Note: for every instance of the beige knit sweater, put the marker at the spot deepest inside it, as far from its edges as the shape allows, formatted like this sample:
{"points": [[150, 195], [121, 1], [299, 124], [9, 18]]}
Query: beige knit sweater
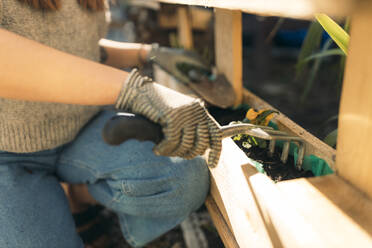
{"points": [[34, 126]]}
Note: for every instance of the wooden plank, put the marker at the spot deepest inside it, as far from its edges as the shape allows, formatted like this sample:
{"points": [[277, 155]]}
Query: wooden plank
{"points": [[220, 224], [200, 19], [311, 212], [145, 3], [295, 213], [301, 9], [312, 144], [354, 161], [234, 198], [184, 27], [336, 210], [228, 48], [317, 212], [281, 219]]}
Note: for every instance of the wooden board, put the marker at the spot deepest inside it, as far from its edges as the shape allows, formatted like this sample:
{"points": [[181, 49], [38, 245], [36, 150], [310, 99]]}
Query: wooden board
{"points": [[235, 200], [253, 212], [184, 27], [318, 212], [338, 212], [229, 48], [200, 19], [301, 9], [155, 5], [354, 160], [223, 229]]}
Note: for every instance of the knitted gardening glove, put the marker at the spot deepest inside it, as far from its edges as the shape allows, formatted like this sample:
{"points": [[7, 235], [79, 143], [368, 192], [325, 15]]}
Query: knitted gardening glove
{"points": [[188, 128]]}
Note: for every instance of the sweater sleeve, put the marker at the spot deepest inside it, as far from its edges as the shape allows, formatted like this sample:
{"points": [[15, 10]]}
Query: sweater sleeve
{"points": [[1, 11]]}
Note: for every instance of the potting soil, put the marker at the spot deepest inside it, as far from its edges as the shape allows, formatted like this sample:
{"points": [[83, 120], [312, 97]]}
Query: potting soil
{"points": [[272, 165]]}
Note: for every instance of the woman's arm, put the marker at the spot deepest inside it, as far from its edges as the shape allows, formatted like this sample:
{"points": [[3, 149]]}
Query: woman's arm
{"points": [[123, 54], [32, 71]]}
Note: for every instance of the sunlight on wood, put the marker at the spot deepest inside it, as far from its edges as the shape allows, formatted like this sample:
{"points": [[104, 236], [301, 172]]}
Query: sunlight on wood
{"points": [[354, 160], [230, 191], [294, 213], [302, 9], [329, 204]]}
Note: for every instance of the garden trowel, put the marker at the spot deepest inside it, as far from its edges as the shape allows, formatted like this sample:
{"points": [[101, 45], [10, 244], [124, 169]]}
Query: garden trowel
{"points": [[189, 69]]}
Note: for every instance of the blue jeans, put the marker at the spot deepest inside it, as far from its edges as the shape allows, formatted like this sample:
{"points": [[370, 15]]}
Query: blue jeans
{"points": [[150, 194]]}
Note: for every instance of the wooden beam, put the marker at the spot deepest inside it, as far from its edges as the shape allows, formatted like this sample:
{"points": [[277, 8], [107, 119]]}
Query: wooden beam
{"points": [[301, 9], [312, 144], [228, 48], [354, 160], [338, 207], [317, 212], [253, 212], [223, 229], [155, 5], [200, 19], [235, 200], [184, 27]]}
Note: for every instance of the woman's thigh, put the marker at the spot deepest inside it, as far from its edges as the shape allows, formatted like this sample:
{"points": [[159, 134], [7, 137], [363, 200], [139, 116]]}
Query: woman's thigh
{"points": [[129, 178], [34, 211]]}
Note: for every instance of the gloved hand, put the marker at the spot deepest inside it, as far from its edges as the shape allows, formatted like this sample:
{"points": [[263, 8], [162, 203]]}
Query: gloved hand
{"points": [[187, 126], [177, 61]]}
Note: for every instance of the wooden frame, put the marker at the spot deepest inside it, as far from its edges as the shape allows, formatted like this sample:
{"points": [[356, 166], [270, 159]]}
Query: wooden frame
{"points": [[331, 211], [354, 161], [200, 19], [300, 9], [295, 213]]}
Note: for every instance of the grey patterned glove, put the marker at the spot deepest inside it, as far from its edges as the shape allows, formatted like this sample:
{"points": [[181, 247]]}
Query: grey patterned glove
{"points": [[188, 128]]}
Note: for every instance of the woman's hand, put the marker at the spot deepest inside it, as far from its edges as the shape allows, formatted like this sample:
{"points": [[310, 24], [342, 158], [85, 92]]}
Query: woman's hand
{"points": [[188, 128]]}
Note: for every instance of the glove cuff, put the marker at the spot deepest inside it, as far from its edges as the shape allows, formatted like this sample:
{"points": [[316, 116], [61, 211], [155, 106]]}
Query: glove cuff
{"points": [[129, 90]]}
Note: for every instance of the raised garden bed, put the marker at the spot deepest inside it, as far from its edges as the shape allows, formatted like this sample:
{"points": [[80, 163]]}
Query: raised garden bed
{"points": [[296, 213], [248, 208], [271, 165]]}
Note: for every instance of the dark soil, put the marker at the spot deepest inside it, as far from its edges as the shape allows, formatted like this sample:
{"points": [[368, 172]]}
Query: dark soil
{"points": [[273, 166]]}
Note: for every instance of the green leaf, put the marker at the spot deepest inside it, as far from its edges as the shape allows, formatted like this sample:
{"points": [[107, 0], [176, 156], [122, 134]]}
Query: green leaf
{"points": [[341, 76], [261, 118], [275, 29], [340, 37], [330, 52], [329, 120], [347, 25], [311, 43], [313, 73], [331, 138], [246, 144]]}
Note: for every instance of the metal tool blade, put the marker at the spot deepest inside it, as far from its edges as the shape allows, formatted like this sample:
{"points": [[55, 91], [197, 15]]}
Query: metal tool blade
{"points": [[214, 89]]}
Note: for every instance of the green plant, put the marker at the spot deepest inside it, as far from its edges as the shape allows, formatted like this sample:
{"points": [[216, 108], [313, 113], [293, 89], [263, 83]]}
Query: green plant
{"points": [[256, 117], [331, 138], [307, 55], [310, 54], [338, 34]]}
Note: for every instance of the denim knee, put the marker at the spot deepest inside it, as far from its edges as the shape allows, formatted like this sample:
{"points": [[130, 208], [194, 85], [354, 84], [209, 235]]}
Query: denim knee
{"points": [[180, 188]]}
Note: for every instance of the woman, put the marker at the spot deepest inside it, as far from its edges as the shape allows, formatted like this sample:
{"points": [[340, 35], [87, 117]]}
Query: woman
{"points": [[51, 95]]}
